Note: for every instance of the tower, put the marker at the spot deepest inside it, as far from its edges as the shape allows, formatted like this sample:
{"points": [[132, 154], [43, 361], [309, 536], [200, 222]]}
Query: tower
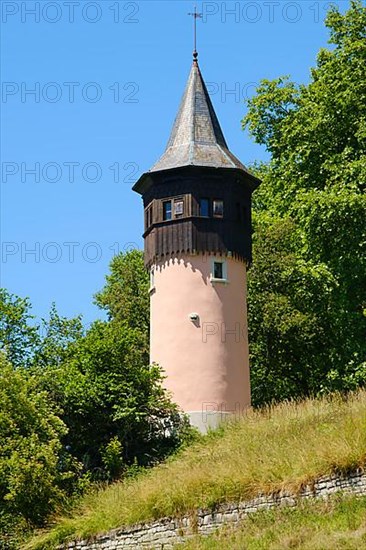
{"points": [[197, 203]]}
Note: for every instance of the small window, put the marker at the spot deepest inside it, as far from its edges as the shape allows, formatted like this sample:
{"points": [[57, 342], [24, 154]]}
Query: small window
{"points": [[204, 207], [167, 210], [178, 208], [218, 208], [218, 270], [148, 217], [152, 278]]}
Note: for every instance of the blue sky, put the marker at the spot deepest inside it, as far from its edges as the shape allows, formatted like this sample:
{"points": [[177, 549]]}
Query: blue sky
{"points": [[107, 78]]}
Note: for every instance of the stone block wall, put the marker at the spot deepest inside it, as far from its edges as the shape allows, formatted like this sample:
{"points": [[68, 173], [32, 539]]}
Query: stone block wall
{"points": [[166, 533]]}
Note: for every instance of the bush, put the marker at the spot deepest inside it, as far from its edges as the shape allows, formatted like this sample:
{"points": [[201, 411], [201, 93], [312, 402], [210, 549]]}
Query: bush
{"points": [[35, 471]]}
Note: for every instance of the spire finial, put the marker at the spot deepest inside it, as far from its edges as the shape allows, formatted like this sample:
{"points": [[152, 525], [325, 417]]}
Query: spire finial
{"points": [[195, 16]]}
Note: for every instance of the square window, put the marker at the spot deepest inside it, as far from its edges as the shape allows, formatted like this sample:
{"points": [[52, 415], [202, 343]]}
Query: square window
{"points": [[167, 210], [204, 207], [218, 208], [218, 271], [178, 208]]}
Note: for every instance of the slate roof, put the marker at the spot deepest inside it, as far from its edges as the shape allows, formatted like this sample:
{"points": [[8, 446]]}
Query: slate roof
{"points": [[196, 138]]}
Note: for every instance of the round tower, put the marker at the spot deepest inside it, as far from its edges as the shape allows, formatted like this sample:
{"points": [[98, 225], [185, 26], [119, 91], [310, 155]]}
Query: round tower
{"points": [[197, 201]]}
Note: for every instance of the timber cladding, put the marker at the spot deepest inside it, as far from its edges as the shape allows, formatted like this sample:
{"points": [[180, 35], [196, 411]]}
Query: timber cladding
{"points": [[181, 227]]}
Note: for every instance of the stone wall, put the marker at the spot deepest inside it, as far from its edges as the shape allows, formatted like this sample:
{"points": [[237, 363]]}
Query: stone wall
{"points": [[167, 532]]}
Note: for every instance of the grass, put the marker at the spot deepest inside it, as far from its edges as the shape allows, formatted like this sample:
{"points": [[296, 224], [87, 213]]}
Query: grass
{"points": [[283, 447], [334, 524]]}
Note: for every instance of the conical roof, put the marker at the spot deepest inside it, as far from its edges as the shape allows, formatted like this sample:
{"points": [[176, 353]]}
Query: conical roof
{"points": [[196, 138]]}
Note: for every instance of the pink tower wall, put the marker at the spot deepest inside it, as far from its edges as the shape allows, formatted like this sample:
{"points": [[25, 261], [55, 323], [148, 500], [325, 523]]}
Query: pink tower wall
{"points": [[205, 361]]}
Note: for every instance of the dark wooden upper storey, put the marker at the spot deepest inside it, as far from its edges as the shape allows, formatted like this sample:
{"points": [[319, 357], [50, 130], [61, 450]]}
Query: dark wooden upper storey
{"points": [[197, 197]]}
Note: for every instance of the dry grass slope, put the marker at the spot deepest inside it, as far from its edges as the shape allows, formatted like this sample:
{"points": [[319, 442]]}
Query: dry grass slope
{"points": [[281, 447]]}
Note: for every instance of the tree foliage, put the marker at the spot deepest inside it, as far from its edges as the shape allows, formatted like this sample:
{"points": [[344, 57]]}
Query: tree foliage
{"points": [[125, 296], [18, 336], [57, 335], [108, 391], [35, 471], [313, 184], [76, 406]]}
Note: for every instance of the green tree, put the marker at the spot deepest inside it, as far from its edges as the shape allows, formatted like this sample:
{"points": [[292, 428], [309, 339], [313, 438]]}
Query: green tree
{"points": [[316, 133], [106, 394], [35, 471], [125, 296], [112, 399], [18, 336], [26, 342], [57, 335], [289, 305], [315, 182]]}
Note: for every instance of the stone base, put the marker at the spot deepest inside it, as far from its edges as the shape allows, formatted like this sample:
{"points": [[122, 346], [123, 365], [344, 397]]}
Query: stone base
{"points": [[208, 420]]}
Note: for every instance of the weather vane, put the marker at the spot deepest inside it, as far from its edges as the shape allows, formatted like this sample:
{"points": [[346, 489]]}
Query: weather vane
{"points": [[195, 16]]}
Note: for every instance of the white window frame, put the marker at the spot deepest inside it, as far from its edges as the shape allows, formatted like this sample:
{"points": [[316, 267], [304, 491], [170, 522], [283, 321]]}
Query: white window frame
{"points": [[224, 270], [178, 215], [152, 279]]}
